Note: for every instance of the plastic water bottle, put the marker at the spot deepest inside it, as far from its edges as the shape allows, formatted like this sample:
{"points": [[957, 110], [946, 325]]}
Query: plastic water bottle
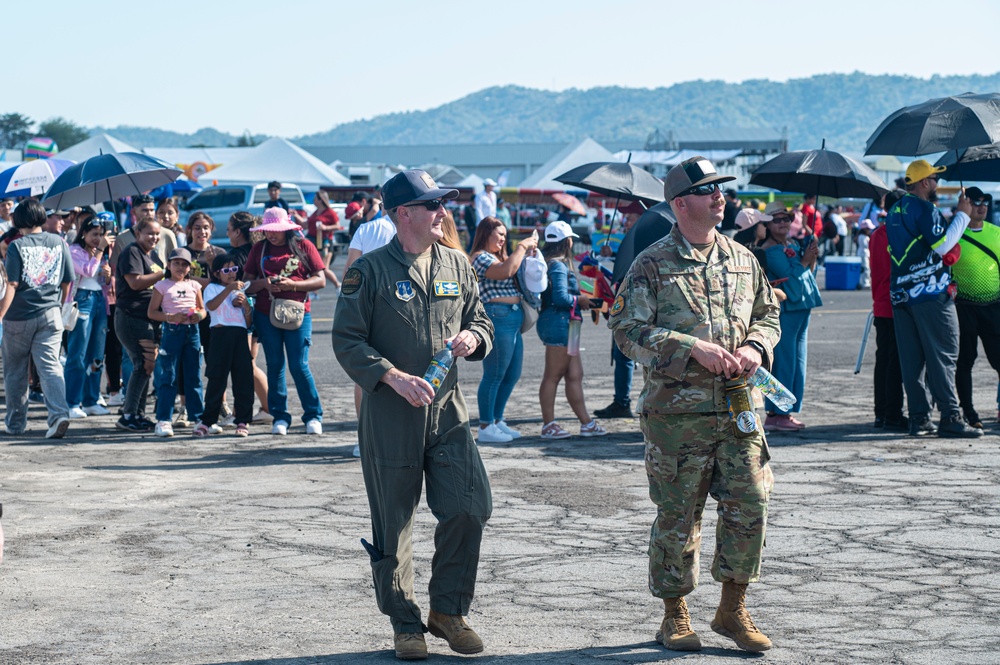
{"points": [[772, 388], [573, 343], [440, 365]]}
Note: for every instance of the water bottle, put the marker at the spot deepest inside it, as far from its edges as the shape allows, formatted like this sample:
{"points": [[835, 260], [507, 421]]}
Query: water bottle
{"points": [[772, 388], [741, 410], [573, 343], [95, 367], [440, 365]]}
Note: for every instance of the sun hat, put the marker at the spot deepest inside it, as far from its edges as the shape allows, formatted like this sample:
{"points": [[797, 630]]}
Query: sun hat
{"points": [[691, 173], [748, 217], [412, 186], [775, 207], [557, 231], [182, 254], [276, 219], [920, 169]]}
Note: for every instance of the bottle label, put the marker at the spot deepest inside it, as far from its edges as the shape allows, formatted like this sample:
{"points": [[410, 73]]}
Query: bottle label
{"points": [[746, 422], [740, 403]]}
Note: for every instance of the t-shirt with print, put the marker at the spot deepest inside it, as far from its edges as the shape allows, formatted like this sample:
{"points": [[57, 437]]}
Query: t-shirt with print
{"points": [[201, 266], [134, 261], [226, 314], [280, 261], [915, 227], [40, 264], [178, 297]]}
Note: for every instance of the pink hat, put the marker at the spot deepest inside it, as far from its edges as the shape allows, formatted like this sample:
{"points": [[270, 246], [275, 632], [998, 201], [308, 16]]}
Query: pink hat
{"points": [[747, 217], [867, 224], [276, 219]]}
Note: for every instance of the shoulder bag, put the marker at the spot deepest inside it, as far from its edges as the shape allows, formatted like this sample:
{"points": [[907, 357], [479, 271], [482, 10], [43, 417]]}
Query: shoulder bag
{"points": [[285, 313]]}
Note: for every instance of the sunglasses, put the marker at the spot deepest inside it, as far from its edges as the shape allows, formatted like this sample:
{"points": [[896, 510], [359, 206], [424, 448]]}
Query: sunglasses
{"points": [[230, 270], [432, 205], [700, 190], [980, 202], [781, 219]]}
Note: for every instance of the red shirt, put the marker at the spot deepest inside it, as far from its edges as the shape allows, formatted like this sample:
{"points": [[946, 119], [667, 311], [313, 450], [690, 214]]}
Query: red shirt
{"points": [[328, 218], [276, 258], [880, 264], [812, 219]]}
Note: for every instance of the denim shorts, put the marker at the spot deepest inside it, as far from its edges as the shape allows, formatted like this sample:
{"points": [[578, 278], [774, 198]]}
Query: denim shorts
{"points": [[553, 327]]}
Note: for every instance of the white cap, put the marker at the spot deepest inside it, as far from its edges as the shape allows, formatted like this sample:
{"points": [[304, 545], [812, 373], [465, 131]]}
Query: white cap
{"points": [[490, 182], [557, 231]]}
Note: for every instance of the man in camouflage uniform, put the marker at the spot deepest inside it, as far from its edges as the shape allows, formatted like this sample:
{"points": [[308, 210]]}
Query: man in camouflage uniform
{"points": [[695, 310]]}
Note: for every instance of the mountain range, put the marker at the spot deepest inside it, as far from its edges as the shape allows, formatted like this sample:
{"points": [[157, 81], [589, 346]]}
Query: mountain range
{"points": [[844, 109]]}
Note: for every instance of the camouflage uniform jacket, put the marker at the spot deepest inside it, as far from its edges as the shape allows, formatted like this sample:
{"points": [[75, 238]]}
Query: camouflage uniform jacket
{"points": [[671, 297]]}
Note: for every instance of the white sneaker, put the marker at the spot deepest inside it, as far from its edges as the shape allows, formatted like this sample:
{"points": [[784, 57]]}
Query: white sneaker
{"points": [[493, 434], [280, 427], [314, 427], [512, 433], [116, 399], [357, 450], [214, 429], [181, 421], [262, 416], [164, 428], [96, 410], [228, 421], [58, 430], [101, 401], [76, 412]]}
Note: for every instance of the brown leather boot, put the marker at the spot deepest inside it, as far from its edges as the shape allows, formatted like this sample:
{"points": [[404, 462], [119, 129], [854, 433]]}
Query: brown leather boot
{"points": [[452, 627], [410, 646], [675, 631], [733, 621]]}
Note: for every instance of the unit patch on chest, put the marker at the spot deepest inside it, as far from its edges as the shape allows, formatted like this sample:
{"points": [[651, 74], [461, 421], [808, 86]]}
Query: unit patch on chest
{"points": [[446, 288], [404, 291]]}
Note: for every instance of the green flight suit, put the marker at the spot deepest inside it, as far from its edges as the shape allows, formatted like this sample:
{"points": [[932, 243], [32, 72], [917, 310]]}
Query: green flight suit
{"points": [[385, 320]]}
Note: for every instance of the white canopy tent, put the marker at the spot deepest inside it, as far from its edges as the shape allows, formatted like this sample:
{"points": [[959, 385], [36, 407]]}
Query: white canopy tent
{"points": [[281, 160], [575, 154], [95, 145]]}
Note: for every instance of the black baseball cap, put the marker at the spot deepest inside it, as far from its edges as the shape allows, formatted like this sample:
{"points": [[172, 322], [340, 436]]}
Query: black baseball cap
{"points": [[976, 194], [412, 186]]}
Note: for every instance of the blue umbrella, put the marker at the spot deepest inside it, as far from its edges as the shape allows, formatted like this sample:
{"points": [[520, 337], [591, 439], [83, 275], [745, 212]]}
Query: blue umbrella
{"points": [[176, 187], [31, 178], [109, 178]]}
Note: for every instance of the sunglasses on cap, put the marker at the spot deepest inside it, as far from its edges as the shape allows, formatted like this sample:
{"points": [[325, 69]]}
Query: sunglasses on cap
{"points": [[431, 205], [230, 270], [700, 190]]}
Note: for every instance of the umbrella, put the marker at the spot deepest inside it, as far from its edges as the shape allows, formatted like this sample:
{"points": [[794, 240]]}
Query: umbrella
{"points": [[570, 202], [32, 178], [939, 125], [179, 186], [619, 179], [980, 162], [650, 227], [822, 172], [108, 178]]}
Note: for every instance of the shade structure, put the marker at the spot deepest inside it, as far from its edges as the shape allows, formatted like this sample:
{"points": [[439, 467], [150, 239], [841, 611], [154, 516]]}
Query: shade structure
{"points": [[617, 180], [821, 172], [977, 163], [109, 178], [938, 125], [31, 178]]}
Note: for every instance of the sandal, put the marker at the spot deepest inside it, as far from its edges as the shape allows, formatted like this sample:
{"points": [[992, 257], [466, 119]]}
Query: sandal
{"points": [[592, 429], [242, 430], [554, 431], [201, 430]]}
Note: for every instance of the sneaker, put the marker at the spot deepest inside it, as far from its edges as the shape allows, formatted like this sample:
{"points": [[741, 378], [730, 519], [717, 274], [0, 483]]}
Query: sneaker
{"points": [[357, 450], [492, 434], [96, 410], [957, 428], [146, 422], [779, 423], [214, 429], [13, 432], [280, 427], [795, 421], [973, 419], [131, 424], [228, 421], [593, 428], [101, 400], [181, 421], [77, 413], [554, 431], [115, 399], [879, 422], [898, 424], [164, 428], [509, 431], [615, 410], [36, 397], [314, 426], [58, 430], [922, 426], [262, 416]]}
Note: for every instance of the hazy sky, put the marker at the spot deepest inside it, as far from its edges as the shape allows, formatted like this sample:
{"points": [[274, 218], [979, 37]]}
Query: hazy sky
{"points": [[292, 67]]}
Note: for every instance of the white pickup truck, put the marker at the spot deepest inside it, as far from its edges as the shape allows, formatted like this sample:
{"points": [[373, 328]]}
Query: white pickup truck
{"points": [[221, 201]]}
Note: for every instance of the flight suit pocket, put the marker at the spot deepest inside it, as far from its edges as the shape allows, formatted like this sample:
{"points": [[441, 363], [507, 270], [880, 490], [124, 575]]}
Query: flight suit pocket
{"points": [[678, 289], [661, 471], [456, 478]]}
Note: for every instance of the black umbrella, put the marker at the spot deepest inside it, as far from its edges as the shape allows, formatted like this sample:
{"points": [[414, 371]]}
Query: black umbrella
{"points": [[650, 227], [939, 125], [977, 163], [109, 178], [618, 179], [822, 172]]}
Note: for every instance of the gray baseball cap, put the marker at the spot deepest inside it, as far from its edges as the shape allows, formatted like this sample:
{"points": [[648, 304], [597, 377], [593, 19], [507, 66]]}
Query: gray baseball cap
{"points": [[691, 173], [412, 186]]}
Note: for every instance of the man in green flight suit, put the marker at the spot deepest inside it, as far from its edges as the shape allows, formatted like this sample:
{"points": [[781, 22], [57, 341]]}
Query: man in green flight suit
{"points": [[695, 309], [400, 304]]}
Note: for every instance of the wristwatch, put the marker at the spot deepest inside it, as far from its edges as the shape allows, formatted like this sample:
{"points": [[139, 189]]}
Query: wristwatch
{"points": [[756, 345]]}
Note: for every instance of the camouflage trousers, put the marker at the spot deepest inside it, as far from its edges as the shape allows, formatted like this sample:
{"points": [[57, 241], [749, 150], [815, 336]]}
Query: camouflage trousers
{"points": [[688, 457]]}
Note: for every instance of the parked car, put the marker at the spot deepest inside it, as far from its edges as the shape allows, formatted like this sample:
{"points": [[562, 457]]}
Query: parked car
{"points": [[221, 201]]}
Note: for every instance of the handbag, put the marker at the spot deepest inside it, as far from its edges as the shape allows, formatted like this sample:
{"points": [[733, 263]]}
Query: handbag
{"points": [[524, 279], [287, 314], [70, 314], [530, 315]]}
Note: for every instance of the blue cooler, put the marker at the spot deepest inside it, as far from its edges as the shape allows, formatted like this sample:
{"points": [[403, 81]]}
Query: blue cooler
{"points": [[843, 273]]}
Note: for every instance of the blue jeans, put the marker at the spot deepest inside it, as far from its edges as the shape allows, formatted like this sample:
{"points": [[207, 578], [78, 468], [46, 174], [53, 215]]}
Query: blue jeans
{"points": [[277, 342], [84, 347], [553, 326], [790, 356], [502, 368], [180, 345], [623, 375]]}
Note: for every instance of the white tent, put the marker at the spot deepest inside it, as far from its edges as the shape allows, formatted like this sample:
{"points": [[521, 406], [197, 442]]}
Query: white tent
{"points": [[207, 156], [95, 145], [575, 154], [281, 160]]}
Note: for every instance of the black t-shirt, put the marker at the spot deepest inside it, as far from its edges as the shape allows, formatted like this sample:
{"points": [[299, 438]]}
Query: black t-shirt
{"points": [[729, 216], [281, 203], [134, 262], [239, 256]]}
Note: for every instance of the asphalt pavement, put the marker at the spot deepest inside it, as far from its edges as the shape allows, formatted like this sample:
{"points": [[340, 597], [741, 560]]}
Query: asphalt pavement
{"points": [[135, 549]]}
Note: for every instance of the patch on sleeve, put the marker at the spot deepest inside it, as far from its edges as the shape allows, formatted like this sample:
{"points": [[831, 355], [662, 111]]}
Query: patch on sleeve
{"points": [[352, 282], [618, 306]]}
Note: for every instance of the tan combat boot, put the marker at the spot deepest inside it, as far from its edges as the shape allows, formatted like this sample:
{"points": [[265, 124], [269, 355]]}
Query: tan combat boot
{"points": [[675, 630], [410, 646], [733, 620], [452, 627]]}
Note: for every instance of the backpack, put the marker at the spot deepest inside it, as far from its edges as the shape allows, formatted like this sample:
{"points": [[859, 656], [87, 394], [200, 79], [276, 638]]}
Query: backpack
{"points": [[829, 229]]}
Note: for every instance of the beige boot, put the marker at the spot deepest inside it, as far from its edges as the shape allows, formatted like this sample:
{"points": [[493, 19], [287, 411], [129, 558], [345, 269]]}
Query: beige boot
{"points": [[733, 620], [675, 631], [452, 627], [410, 646]]}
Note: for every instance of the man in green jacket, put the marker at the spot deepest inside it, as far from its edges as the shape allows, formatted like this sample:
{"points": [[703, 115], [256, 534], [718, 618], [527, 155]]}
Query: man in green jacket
{"points": [[401, 304]]}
